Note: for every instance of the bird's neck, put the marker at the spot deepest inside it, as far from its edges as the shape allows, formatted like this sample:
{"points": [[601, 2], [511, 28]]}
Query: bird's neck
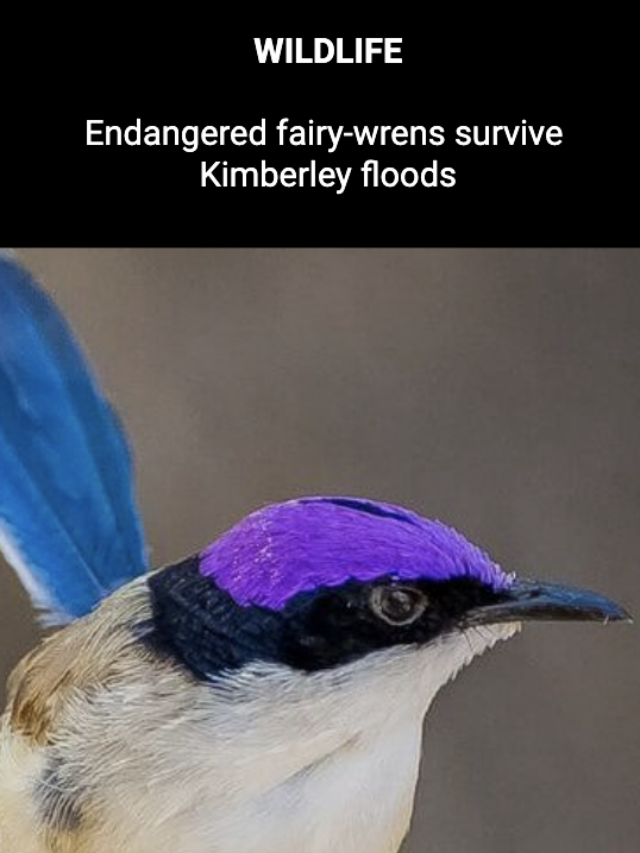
{"points": [[321, 762], [279, 762], [356, 799]]}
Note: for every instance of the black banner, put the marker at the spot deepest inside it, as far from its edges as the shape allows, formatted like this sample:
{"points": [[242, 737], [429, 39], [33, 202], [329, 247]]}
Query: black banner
{"points": [[340, 142]]}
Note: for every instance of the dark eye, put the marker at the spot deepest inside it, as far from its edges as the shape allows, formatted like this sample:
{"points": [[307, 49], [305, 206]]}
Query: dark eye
{"points": [[398, 605]]}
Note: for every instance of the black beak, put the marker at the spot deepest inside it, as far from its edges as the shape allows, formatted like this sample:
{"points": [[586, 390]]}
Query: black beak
{"points": [[533, 600]]}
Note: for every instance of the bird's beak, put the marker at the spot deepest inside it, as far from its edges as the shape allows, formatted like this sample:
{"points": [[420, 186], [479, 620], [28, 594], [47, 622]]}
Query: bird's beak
{"points": [[534, 600]]}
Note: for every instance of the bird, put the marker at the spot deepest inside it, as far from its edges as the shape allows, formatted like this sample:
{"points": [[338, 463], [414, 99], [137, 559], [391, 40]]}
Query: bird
{"points": [[265, 693]]}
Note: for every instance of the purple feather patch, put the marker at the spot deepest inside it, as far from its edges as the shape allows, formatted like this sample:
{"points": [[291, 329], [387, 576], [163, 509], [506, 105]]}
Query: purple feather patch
{"points": [[302, 545]]}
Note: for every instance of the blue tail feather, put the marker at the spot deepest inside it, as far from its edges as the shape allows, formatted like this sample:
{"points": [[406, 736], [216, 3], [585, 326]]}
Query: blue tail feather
{"points": [[68, 519]]}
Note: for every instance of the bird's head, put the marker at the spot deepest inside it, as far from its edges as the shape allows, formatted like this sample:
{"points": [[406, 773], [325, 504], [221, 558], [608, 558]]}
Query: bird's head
{"points": [[331, 584]]}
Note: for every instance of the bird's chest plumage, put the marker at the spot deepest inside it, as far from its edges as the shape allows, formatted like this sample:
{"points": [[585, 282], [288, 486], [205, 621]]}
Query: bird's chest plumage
{"points": [[268, 761], [357, 800], [257, 794]]}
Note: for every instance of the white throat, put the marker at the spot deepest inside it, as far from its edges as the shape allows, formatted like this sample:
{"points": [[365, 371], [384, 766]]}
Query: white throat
{"points": [[322, 763]]}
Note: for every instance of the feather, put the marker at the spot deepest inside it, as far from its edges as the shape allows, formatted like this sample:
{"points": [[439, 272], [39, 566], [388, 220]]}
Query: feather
{"points": [[68, 519]]}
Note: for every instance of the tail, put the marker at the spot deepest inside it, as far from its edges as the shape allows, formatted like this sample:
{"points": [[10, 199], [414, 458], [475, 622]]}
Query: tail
{"points": [[68, 519]]}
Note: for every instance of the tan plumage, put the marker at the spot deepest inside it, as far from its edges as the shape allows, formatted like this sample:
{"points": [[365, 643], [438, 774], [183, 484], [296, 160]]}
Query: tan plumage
{"points": [[48, 691]]}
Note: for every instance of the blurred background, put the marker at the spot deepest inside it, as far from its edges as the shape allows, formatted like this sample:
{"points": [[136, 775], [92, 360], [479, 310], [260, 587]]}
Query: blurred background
{"points": [[496, 390]]}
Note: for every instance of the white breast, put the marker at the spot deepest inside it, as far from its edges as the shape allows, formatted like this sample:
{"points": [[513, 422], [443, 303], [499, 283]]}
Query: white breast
{"points": [[357, 800], [268, 761]]}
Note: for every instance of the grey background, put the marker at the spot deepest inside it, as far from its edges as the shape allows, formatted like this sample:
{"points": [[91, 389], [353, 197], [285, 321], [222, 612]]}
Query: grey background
{"points": [[497, 390]]}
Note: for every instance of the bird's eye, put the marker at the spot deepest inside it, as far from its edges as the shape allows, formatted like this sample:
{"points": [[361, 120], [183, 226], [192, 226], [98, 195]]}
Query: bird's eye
{"points": [[398, 605]]}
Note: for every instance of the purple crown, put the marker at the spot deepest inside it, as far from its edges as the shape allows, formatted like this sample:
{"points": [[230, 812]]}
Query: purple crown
{"points": [[303, 545]]}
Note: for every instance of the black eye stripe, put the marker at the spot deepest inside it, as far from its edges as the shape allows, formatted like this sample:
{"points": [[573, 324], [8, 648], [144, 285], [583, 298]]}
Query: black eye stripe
{"points": [[200, 625]]}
